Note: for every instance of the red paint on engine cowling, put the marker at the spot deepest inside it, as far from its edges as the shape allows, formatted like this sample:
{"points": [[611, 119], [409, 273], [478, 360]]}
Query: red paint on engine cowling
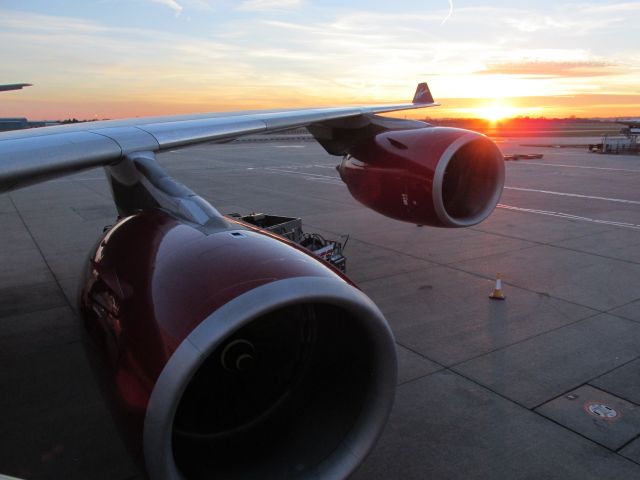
{"points": [[393, 173], [152, 279]]}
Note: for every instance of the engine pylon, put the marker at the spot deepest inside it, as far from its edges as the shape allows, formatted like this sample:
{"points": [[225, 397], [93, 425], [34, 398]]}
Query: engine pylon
{"points": [[497, 293]]}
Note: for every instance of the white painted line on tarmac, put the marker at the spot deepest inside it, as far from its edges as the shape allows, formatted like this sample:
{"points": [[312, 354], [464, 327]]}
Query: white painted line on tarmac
{"points": [[575, 195], [305, 174], [569, 216], [332, 181], [583, 166], [292, 166], [306, 165], [309, 176]]}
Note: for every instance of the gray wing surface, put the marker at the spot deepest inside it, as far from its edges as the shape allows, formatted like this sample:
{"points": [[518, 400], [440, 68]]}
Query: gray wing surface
{"points": [[36, 155]]}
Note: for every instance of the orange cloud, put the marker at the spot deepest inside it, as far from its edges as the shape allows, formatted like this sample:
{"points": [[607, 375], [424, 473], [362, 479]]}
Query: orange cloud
{"points": [[539, 69]]}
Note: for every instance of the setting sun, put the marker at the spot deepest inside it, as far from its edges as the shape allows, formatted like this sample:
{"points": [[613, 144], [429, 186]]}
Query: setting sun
{"points": [[496, 112]]}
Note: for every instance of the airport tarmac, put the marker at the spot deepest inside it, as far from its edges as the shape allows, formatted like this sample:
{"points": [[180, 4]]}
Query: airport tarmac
{"points": [[543, 385]]}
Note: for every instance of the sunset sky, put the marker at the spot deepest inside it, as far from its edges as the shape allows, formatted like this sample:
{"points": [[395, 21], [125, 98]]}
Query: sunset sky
{"points": [[117, 58]]}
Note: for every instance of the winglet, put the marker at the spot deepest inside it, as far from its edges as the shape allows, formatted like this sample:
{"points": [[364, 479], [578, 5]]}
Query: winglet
{"points": [[423, 94]]}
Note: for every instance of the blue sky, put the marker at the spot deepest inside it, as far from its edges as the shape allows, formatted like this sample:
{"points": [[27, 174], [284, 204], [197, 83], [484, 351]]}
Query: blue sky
{"points": [[111, 58]]}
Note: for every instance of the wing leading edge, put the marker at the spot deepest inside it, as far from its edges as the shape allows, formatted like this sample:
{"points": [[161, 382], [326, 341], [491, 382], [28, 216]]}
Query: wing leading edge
{"points": [[32, 156]]}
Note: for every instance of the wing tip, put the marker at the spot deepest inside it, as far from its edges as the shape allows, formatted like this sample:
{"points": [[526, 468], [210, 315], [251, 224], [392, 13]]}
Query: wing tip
{"points": [[423, 94]]}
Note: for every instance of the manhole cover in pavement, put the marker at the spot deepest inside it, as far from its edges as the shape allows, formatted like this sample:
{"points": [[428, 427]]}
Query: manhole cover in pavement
{"points": [[601, 410]]}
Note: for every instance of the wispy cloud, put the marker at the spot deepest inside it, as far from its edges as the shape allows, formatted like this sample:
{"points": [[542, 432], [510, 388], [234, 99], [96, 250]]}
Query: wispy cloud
{"points": [[24, 22], [624, 7], [172, 4], [257, 5], [546, 69]]}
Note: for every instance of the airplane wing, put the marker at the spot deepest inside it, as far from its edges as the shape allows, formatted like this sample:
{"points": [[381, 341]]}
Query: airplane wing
{"points": [[14, 86], [35, 155]]}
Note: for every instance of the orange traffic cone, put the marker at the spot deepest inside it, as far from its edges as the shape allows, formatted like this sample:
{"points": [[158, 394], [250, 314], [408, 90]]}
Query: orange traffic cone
{"points": [[497, 293]]}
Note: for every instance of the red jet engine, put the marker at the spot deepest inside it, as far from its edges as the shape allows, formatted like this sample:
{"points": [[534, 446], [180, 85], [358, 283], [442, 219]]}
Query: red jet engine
{"points": [[242, 356], [438, 176]]}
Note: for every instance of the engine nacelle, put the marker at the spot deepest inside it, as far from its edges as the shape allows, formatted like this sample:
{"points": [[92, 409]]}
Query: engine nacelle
{"points": [[445, 177], [242, 355]]}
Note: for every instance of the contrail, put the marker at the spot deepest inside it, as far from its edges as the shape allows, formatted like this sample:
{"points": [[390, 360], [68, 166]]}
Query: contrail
{"points": [[450, 12]]}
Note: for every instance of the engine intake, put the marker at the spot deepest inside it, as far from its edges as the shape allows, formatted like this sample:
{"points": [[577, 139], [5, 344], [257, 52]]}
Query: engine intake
{"points": [[437, 176], [309, 401]]}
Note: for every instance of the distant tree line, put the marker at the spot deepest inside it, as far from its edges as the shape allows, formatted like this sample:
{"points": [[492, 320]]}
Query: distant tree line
{"points": [[75, 120]]}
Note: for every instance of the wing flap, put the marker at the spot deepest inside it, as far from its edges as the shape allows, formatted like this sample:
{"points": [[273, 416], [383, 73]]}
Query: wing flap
{"points": [[188, 132]]}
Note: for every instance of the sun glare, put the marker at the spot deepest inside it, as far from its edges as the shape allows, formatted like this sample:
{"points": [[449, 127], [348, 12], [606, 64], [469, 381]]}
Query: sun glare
{"points": [[497, 112]]}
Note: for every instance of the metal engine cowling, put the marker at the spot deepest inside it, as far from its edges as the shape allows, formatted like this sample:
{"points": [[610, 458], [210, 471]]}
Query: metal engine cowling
{"points": [[242, 356], [438, 176]]}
